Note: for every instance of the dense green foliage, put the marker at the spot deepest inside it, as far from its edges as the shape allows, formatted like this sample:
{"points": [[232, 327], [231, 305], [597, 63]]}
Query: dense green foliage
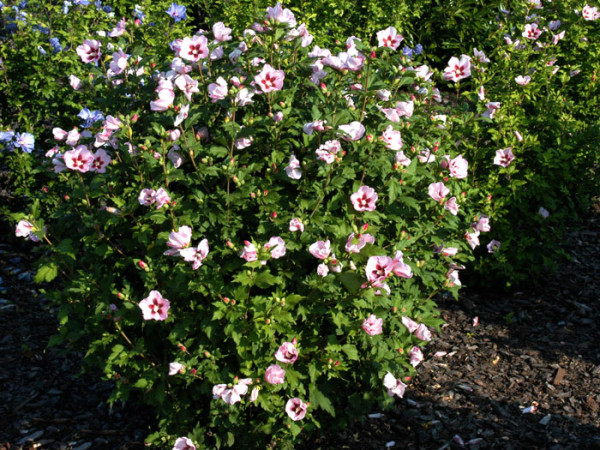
{"points": [[253, 180]]}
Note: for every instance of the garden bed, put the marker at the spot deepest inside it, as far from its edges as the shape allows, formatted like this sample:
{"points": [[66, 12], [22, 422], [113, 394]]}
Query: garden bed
{"points": [[533, 348]]}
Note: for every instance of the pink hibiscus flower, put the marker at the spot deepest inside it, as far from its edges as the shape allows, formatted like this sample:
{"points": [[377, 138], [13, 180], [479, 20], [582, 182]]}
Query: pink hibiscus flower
{"points": [[100, 162], [193, 49], [410, 324], [389, 38], [378, 268], [155, 307], [372, 325], [320, 249], [179, 240], [275, 374], [504, 157], [391, 138], [195, 255], [277, 245], [364, 199], [353, 131], [458, 69], [532, 31], [328, 151], [451, 206], [296, 409], [270, 79], [249, 252], [393, 385], [184, 443], [416, 356], [296, 225], [79, 159], [459, 167], [89, 51], [218, 91], [356, 244], [438, 191], [287, 353]]}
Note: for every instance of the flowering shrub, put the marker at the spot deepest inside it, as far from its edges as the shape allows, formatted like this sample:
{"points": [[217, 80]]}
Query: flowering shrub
{"points": [[250, 229], [242, 225]]}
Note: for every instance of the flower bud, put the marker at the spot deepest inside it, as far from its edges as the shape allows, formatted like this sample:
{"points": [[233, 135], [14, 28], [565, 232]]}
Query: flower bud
{"points": [[143, 265]]}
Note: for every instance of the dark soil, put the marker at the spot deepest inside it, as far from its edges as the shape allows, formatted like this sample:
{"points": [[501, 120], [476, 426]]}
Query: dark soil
{"points": [[538, 348]]}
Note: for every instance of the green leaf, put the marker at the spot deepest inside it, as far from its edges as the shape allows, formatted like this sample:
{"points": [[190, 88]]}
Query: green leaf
{"points": [[46, 273], [351, 351], [351, 281], [265, 279], [319, 400], [141, 383]]}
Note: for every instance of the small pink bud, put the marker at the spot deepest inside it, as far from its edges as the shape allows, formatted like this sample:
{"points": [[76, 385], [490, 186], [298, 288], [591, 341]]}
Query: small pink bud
{"points": [[142, 265], [273, 215], [193, 371], [369, 137], [229, 243], [373, 55], [294, 341]]}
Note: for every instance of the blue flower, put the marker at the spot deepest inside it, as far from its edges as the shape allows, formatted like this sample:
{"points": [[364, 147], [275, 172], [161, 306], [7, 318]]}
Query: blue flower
{"points": [[41, 29], [407, 51], [55, 43], [418, 49], [81, 2], [6, 136], [22, 4], [89, 117], [106, 9], [138, 13], [24, 141], [177, 12]]}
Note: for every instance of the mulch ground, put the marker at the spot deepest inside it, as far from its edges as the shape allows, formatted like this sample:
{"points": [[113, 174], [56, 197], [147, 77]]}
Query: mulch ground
{"points": [[527, 375]]}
